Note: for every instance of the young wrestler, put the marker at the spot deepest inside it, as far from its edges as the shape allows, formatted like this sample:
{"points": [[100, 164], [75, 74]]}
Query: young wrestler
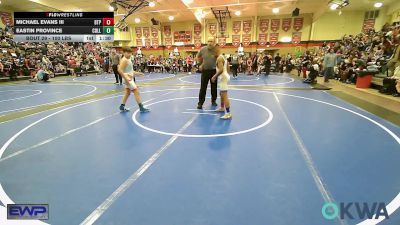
{"points": [[223, 79], [125, 69]]}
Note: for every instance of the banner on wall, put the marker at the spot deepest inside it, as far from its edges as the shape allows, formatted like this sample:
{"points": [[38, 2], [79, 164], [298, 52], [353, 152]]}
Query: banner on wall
{"points": [[247, 26], [167, 30], [264, 25], [154, 42], [298, 23], [221, 41], [6, 18], [147, 43], [286, 23], [236, 26], [197, 28], [368, 25], [197, 41], [273, 38], [146, 32], [236, 40], [168, 42], [154, 32], [138, 31], [275, 24], [296, 37], [139, 42], [222, 29], [262, 39], [212, 28], [183, 36], [246, 39]]}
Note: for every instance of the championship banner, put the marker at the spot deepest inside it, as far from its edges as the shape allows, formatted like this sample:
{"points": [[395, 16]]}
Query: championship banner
{"points": [[168, 42], [197, 28], [296, 37], [368, 25], [6, 18], [247, 26], [246, 39], [222, 41], [147, 43], [188, 37], [298, 24], [236, 26], [264, 25], [146, 32], [183, 36], [154, 32], [275, 24], [212, 28], [197, 41], [222, 29], [286, 23], [154, 42], [138, 31], [273, 38], [236, 40], [139, 42], [262, 39], [167, 30]]}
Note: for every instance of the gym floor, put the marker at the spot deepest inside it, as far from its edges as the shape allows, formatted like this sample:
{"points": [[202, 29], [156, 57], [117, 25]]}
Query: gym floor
{"points": [[287, 151]]}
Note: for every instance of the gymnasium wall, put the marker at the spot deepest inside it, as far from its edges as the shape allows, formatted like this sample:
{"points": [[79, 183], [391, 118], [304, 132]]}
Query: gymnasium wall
{"points": [[330, 26], [395, 17], [130, 38], [205, 29], [394, 12]]}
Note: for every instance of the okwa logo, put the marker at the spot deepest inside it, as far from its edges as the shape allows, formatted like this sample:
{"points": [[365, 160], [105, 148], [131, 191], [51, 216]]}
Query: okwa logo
{"points": [[351, 210]]}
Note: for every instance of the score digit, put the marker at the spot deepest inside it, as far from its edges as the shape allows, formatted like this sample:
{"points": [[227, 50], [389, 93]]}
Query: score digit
{"points": [[108, 30], [108, 21]]}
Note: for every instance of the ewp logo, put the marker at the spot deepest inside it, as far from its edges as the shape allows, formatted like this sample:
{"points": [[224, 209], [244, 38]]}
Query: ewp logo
{"points": [[330, 210], [27, 212]]}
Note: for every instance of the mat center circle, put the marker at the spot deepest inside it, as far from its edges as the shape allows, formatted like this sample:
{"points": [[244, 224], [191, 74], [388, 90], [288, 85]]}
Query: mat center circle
{"points": [[220, 127]]}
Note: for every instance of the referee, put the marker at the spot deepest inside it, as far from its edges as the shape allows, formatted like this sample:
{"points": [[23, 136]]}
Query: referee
{"points": [[207, 58], [115, 58]]}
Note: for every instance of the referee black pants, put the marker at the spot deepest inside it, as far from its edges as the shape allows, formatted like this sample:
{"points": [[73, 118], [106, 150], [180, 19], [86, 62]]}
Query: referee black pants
{"points": [[206, 76], [118, 77]]}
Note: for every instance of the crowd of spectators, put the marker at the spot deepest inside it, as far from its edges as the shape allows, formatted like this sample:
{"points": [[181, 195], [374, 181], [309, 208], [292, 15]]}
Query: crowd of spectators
{"points": [[171, 64], [370, 52], [26, 59], [375, 53]]}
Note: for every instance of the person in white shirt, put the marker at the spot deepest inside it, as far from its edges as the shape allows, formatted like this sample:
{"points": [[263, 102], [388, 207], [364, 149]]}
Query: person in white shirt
{"points": [[223, 78]]}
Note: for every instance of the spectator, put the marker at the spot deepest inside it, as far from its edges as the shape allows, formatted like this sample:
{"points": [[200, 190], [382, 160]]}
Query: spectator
{"points": [[395, 58], [391, 84], [115, 58], [189, 61], [267, 64], [235, 64], [314, 69], [1, 68], [41, 75], [278, 59], [249, 64], [330, 61]]}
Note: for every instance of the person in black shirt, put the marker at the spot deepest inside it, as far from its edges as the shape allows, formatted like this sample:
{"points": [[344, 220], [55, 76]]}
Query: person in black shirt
{"points": [[14, 70], [267, 64], [277, 62], [234, 61], [305, 62]]}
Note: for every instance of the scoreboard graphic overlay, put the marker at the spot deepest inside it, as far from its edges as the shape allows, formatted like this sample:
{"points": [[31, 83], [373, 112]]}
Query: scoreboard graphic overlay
{"points": [[63, 26]]}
